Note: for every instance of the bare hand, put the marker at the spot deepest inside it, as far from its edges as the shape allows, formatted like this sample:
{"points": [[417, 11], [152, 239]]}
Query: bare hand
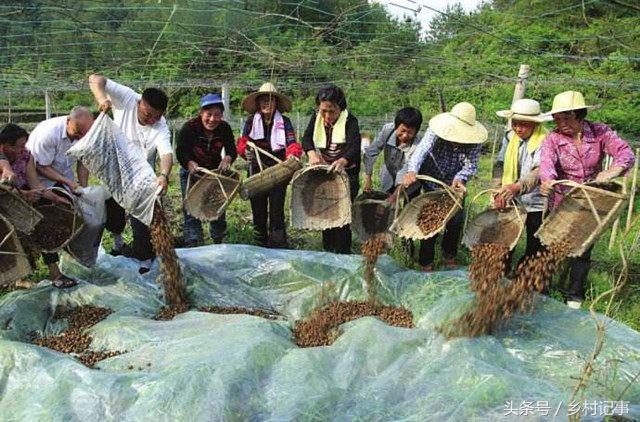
{"points": [[74, 186], [224, 164], [32, 195], [192, 166], [162, 182], [338, 165], [546, 188], [458, 185], [409, 179], [367, 184], [499, 202], [8, 177], [607, 175], [315, 158], [105, 105], [509, 192], [56, 199]]}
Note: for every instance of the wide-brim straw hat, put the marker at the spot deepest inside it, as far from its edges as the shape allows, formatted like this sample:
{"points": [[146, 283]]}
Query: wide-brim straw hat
{"points": [[567, 101], [249, 103], [459, 125], [524, 110]]}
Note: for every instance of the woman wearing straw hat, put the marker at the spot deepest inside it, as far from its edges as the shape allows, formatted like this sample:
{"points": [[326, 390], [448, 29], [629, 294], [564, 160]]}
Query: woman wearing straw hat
{"points": [[199, 145], [518, 166], [448, 152], [575, 150], [273, 132], [333, 137]]}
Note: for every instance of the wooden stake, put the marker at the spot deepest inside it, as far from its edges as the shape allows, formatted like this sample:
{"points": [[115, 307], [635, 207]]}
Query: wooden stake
{"points": [[632, 196], [443, 103], [47, 104]]}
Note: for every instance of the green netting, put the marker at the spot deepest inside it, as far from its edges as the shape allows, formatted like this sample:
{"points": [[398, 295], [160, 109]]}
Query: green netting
{"points": [[203, 366]]}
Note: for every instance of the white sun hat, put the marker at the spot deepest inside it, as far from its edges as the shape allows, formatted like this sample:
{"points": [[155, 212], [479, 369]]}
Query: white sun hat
{"points": [[459, 125], [567, 101], [524, 110]]}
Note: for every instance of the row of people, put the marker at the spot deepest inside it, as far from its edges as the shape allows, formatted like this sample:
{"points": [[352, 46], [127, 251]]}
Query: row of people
{"points": [[529, 159]]}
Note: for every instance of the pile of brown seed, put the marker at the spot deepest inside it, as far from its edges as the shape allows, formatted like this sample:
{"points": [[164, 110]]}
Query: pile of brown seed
{"points": [[262, 313], [170, 274], [371, 250], [433, 213], [168, 313], [496, 299], [321, 328], [74, 339]]}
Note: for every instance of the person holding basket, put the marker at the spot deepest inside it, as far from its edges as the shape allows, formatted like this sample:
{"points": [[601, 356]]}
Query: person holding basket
{"points": [[517, 168], [271, 131], [199, 146], [575, 150], [448, 152]]}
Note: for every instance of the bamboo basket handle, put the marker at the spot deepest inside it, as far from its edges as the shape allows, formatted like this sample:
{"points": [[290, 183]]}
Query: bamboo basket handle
{"points": [[215, 176], [475, 198], [7, 237], [446, 187], [585, 190], [262, 151], [402, 192]]}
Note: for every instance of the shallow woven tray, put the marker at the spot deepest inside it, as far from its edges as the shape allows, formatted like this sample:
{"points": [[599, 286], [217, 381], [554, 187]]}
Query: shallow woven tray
{"points": [[320, 199], [404, 223], [211, 184], [584, 213]]}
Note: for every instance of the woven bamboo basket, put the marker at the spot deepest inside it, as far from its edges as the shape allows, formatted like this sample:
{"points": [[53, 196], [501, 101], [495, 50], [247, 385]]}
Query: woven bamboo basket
{"points": [[13, 260], [320, 199], [18, 211], [406, 217], [211, 193], [584, 213], [59, 225], [501, 226], [269, 177], [371, 214]]}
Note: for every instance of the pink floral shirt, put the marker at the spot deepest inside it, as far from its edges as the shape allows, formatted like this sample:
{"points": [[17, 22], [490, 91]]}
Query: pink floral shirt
{"points": [[561, 159], [19, 167]]}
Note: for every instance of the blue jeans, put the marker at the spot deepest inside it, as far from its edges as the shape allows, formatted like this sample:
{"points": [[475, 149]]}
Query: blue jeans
{"points": [[192, 227]]}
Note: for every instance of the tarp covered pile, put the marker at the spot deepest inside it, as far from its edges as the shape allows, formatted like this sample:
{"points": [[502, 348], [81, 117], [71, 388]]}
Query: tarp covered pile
{"points": [[203, 366]]}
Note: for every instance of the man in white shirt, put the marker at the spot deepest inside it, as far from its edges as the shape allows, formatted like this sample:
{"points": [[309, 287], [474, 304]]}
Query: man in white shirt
{"points": [[48, 143], [140, 118]]}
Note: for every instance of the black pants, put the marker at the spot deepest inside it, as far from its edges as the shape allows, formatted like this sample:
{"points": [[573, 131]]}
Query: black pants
{"points": [[578, 275], [116, 220], [338, 240], [53, 258], [268, 212], [532, 224], [450, 238]]}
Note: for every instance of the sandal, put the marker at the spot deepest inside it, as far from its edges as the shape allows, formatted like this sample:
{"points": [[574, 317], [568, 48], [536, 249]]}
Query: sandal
{"points": [[64, 282]]}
